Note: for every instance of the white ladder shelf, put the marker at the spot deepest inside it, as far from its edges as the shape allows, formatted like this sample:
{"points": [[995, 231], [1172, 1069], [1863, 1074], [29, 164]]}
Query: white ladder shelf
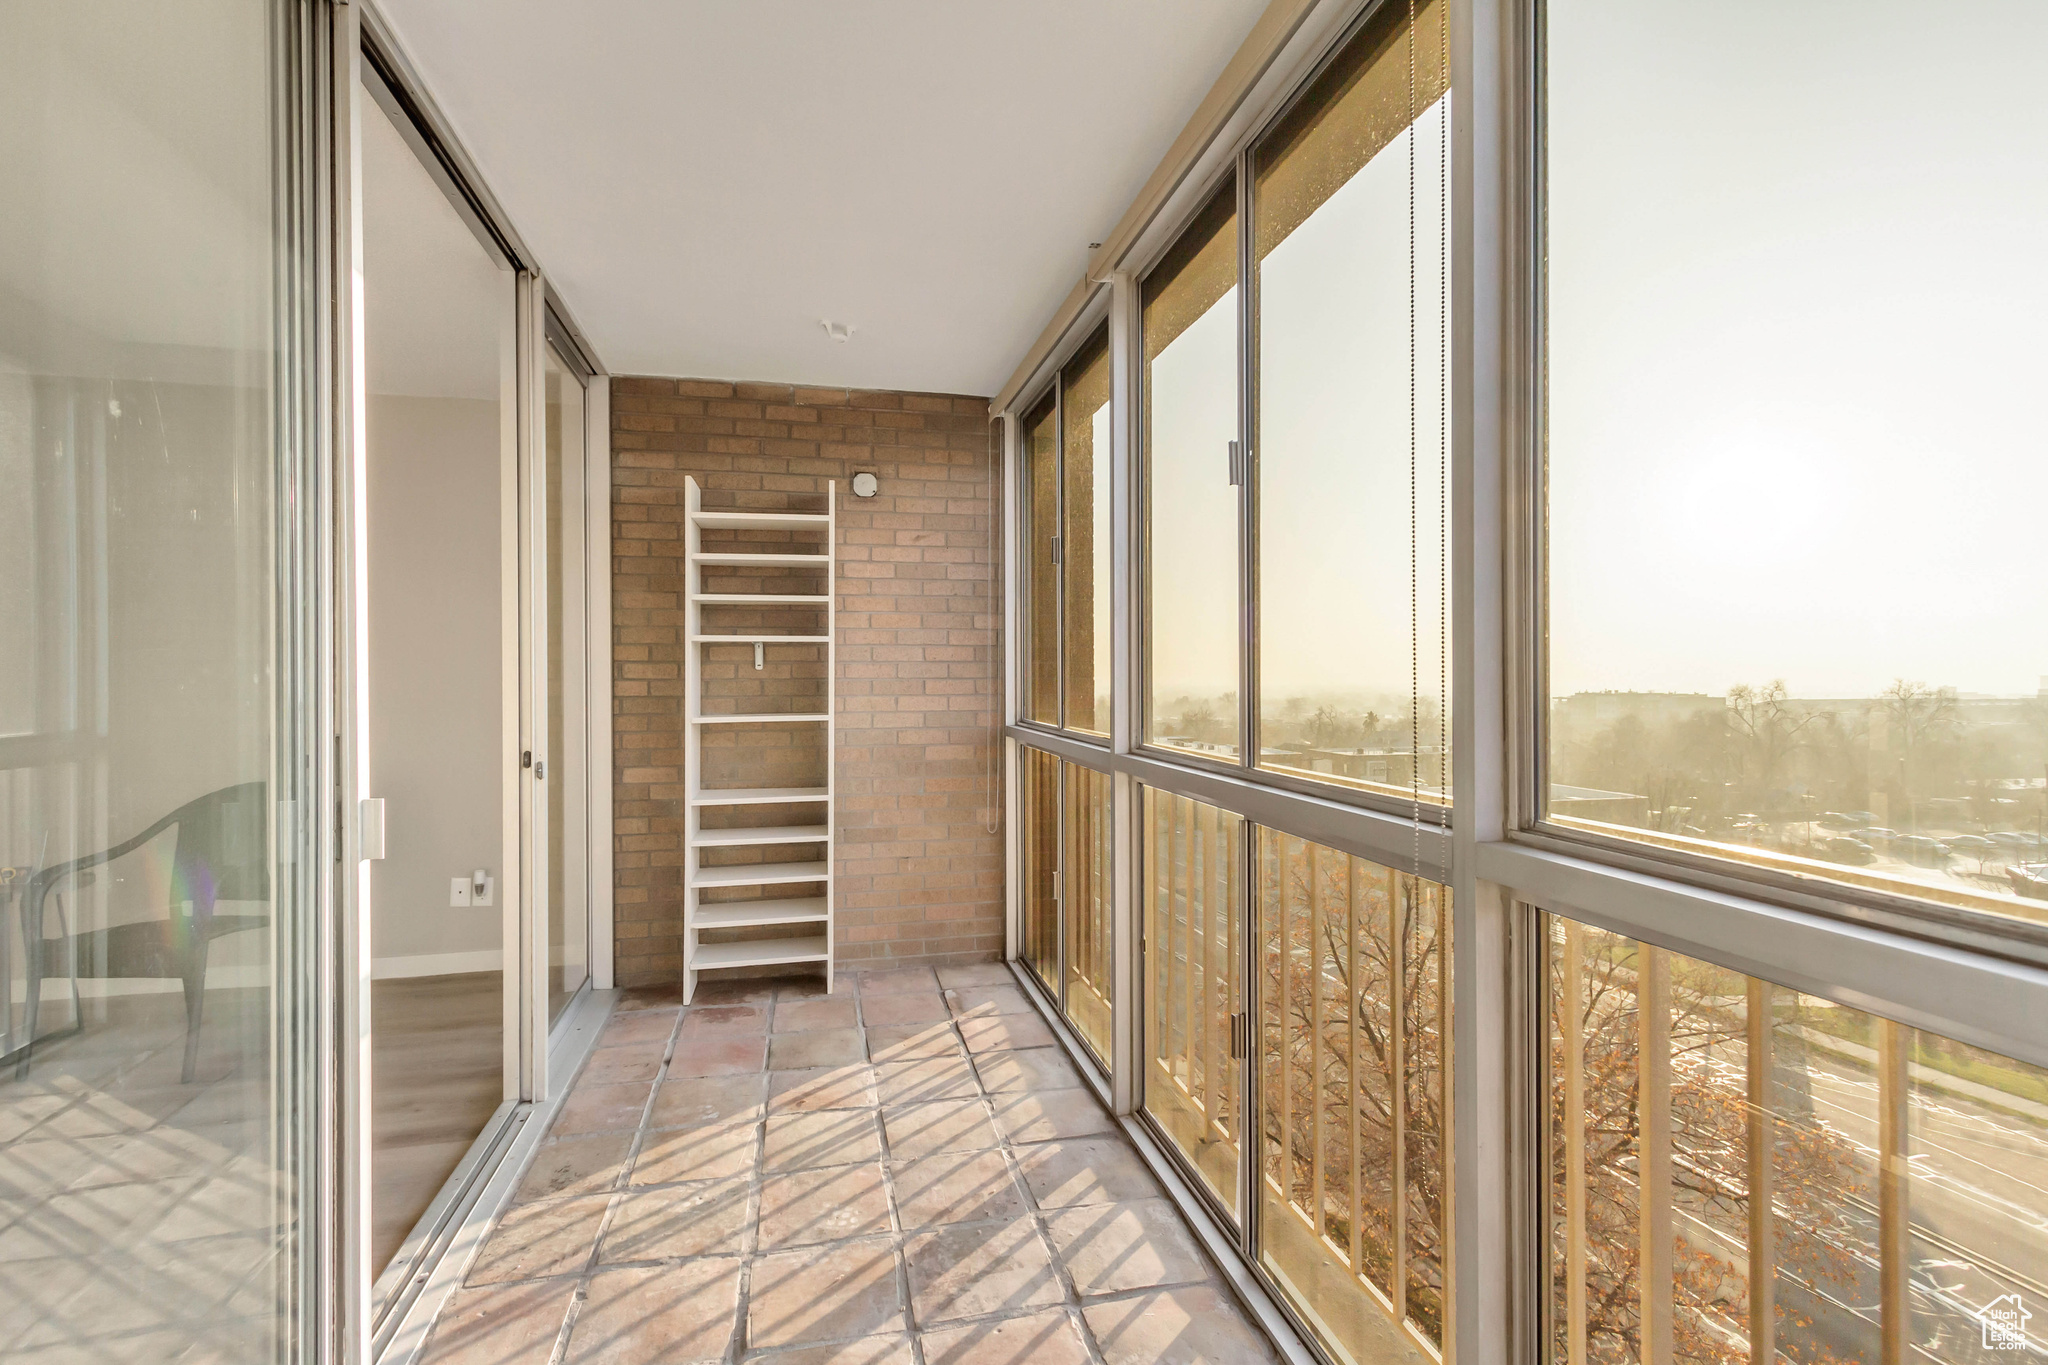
{"points": [[793, 890]]}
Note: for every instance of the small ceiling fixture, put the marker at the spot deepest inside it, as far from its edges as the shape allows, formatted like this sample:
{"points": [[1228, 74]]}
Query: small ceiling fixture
{"points": [[838, 331], [865, 484]]}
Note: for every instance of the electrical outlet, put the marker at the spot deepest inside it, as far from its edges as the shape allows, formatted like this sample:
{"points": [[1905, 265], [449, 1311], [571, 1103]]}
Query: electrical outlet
{"points": [[458, 891]]}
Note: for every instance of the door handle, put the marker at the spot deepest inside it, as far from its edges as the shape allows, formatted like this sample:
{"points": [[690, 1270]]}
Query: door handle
{"points": [[370, 829]]}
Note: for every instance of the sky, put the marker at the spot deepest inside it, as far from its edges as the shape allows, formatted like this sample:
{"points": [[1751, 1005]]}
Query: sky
{"points": [[1798, 286]]}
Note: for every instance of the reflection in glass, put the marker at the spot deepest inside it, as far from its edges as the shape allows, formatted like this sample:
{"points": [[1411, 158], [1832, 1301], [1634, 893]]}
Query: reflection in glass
{"points": [[1796, 597], [1040, 776], [1743, 1172], [1352, 997], [1194, 943], [1350, 241], [1041, 569], [1084, 535], [149, 926], [1086, 895], [438, 347], [568, 883], [1190, 418]]}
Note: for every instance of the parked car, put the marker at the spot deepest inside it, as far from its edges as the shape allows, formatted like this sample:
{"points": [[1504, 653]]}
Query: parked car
{"points": [[1975, 845], [1918, 848], [1847, 850], [1877, 834], [1834, 819]]}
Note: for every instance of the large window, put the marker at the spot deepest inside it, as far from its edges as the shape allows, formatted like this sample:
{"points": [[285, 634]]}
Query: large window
{"points": [[1741, 1172], [1066, 526], [1796, 596], [1350, 244], [1041, 567], [1336, 480], [1191, 488]]}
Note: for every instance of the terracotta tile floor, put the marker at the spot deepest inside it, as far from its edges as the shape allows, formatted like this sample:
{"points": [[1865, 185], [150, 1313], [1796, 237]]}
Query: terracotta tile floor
{"points": [[907, 1172]]}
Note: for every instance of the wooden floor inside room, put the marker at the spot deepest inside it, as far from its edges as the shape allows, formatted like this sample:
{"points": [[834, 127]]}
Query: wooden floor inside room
{"points": [[437, 1075]]}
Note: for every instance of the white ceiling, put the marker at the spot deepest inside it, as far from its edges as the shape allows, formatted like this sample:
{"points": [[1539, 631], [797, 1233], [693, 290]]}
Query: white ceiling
{"points": [[705, 180]]}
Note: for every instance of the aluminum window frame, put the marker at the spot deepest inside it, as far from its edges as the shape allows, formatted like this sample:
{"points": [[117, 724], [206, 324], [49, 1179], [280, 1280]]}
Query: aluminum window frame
{"points": [[1897, 958], [1137, 267], [1134, 531]]}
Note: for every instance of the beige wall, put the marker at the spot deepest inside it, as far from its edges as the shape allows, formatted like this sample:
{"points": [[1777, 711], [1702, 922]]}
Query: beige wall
{"points": [[435, 667]]}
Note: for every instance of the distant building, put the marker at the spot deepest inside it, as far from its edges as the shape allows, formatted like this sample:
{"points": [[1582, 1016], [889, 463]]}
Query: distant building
{"points": [[1590, 803]]}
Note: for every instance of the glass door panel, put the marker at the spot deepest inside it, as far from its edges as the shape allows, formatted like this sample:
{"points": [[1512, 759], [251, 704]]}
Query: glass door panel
{"points": [[568, 848], [152, 881], [439, 327], [1194, 950]]}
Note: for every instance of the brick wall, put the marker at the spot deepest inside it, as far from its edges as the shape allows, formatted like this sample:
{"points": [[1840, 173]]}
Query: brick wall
{"points": [[919, 875]]}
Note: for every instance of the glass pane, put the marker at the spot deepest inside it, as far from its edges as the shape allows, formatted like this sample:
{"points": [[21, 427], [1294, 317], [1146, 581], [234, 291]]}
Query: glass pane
{"points": [[1041, 570], [1796, 595], [1350, 230], [438, 346], [1041, 797], [150, 926], [568, 884], [1194, 949], [1190, 417], [1343, 1147], [1086, 893], [1084, 543], [1743, 1172]]}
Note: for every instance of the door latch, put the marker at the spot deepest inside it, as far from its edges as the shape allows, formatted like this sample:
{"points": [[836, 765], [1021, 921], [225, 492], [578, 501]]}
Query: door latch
{"points": [[1236, 465], [1240, 1035]]}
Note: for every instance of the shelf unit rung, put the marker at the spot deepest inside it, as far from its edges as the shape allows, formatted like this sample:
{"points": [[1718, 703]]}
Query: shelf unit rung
{"points": [[762, 874], [749, 914], [758, 717], [727, 557], [760, 639], [762, 834], [762, 521], [765, 952], [726, 599], [756, 796]]}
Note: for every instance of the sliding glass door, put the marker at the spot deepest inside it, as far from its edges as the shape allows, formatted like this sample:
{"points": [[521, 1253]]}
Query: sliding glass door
{"points": [[157, 902], [440, 635]]}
